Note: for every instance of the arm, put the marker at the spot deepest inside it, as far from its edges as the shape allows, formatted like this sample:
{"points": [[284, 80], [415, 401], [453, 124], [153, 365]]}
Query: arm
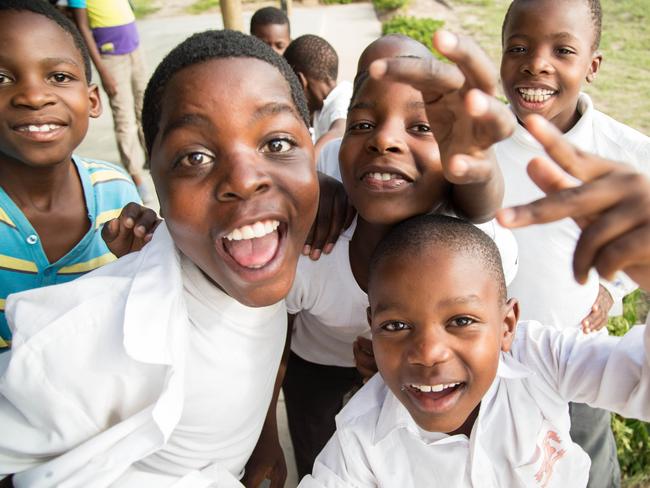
{"points": [[337, 129], [80, 16], [465, 117], [267, 459]]}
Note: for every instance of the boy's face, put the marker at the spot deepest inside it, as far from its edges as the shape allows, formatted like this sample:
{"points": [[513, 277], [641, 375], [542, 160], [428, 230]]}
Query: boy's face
{"points": [[275, 35], [45, 100], [390, 164], [437, 341], [547, 55], [235, 175]]}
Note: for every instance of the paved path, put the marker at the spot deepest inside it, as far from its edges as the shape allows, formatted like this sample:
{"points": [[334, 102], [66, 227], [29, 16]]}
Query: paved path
{"points": [[349, 28]]}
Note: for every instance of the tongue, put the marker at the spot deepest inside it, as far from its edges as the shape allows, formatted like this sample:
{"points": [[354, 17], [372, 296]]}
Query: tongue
{"points": [[253, 253]]}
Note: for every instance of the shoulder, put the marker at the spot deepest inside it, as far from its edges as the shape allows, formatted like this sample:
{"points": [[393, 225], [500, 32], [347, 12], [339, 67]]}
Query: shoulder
{"points": [[363, 410], [620, 142], [111, 184]]}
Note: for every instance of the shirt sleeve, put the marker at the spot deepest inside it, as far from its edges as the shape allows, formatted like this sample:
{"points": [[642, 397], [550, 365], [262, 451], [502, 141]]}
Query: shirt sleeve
{"points": [[620, 286], [77, 3], [606, 372]]}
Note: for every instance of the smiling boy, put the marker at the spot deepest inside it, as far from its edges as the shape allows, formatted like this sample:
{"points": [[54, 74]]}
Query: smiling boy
{"points": [[550, 49], [46, 100], [160, 367]]}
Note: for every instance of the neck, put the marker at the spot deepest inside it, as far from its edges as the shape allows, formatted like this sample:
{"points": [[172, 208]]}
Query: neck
{"points": [[365, 239], [41, 187]]}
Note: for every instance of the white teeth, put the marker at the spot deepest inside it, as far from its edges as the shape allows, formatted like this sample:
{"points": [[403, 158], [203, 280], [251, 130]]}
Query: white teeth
{"points": [[39, 128], [258, 229], [535, 94], [433, 388], [384, 176]]}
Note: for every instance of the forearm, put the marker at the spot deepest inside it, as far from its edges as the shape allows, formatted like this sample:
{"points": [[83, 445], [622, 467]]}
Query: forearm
{"points": [[81, 19], [337, 129], [478, 202]]}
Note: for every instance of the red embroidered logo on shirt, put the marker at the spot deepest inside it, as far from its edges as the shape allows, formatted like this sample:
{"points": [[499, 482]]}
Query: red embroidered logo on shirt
{"points": [[551, 453]]}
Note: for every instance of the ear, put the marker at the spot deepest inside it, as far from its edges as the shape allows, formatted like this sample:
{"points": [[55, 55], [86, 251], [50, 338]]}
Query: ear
{"points": [[95, 101], [303, 80], [510, 319], [594, 66]]}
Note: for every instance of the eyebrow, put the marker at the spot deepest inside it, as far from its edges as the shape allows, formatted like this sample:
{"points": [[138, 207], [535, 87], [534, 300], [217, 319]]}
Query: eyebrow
{"points": [[460, 300], [555, 36], [275, 108], [61, 61], [362, 106], [191, 119]]}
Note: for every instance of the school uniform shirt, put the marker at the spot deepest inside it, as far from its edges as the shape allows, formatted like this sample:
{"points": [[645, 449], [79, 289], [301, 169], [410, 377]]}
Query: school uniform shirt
{"points": [[23, 263], [330, 306], [335, 107], [545, 285], [521, 435], [136, 373]]}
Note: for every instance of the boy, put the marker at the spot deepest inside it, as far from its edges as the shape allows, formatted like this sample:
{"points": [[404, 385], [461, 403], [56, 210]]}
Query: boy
{"points": [[161, 366], [271, 25], [465, 396], [548, 53], [389, 132], [46, 100], [317, 65], [109, 30]]}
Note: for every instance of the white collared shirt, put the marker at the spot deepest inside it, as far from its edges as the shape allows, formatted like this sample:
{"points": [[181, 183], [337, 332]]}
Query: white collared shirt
{"points": [[545, 285], [114, 368], [335, 107], [521, 436]]}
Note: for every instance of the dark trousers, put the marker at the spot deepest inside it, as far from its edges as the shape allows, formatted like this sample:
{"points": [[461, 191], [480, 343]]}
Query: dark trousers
{"points": [[313, 395], [591, 429]]}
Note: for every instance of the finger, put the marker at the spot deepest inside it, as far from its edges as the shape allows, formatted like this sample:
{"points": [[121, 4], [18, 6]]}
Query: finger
{"points": [[577, 202], [493, 120], [472, 61], [583, 166], [130, 214], [337, 221], [430, 76], [323, 223], [254, 480], [548, 176], [463, 169], [145, 223], [609, 225], [351, 213], [310, 238], [278, 475], [629, 253], [111, 230]]}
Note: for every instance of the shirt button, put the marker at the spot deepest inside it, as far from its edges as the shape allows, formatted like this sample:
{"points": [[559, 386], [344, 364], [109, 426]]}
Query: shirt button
{"points": [[33, 239]]}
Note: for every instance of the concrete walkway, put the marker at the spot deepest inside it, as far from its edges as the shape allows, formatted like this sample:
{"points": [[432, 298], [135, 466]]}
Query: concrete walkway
{"points": [[349, 28]]}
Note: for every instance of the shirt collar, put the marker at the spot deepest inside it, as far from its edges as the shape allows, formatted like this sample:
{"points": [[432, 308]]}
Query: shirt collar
{"points": [[394, 415]]}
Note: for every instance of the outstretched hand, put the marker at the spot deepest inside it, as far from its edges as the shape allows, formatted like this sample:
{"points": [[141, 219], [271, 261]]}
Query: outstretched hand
{"points": [[612, 206], [131, 230], [464, 116]]}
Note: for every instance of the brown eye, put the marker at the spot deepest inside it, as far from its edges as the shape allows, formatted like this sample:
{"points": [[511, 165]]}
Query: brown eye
{"points": [[278, 146], [196, 159]]}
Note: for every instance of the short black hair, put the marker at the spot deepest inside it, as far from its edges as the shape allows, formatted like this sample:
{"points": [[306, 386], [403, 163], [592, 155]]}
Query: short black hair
{"points": [[269, 15], [50, 12], [314, 57], [413, 236], [596, 19], [206, 46]]}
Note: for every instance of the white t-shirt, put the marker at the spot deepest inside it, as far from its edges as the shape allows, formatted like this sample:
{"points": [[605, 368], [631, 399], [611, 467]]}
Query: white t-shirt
{"points": [[335, 107], [545, 285], [521, 436], [330, 306], [139, 373]]}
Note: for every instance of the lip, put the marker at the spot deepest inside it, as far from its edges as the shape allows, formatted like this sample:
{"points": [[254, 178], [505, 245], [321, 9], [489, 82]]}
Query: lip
{"points": [[431, 403], [534, 106], [389, 186], [39, 136], [270, 269]]}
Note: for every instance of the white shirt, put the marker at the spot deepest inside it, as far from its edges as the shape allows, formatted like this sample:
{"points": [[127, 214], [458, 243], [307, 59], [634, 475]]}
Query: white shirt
{"points": [[335, 107], [545, 285], [330, 306], [521, 436], [138, 371]]}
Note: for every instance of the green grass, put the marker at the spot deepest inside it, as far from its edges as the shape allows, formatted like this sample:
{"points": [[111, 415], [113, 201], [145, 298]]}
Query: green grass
{"points": [[621, 89], [383, 6], [419, 29], [201, 6], [142, 8]]}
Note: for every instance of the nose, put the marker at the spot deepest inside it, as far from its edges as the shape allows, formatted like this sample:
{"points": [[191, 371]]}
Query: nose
{"points": [[242, 177], [33, 94], [430, 347], [387, 138], [536, 64]]}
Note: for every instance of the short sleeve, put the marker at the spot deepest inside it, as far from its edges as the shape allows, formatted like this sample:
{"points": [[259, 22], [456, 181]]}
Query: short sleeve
{"points": [[77, 3]]}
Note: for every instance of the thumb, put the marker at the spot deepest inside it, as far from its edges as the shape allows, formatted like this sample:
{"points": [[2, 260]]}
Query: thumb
{"points": [[111, 230]]}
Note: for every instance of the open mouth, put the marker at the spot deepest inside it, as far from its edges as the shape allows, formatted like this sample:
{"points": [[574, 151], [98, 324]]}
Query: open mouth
{"points": [[384, 181], [536, 96], [434, 398], [254, 246], [40, 132]]}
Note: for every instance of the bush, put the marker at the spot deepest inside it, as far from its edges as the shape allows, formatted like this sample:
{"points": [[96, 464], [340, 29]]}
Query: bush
{"points": [[632, 436], [388, 5], [419, 29]]}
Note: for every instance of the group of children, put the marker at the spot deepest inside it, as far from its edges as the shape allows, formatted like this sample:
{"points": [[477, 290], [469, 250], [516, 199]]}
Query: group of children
{"points": [[164, 367]]}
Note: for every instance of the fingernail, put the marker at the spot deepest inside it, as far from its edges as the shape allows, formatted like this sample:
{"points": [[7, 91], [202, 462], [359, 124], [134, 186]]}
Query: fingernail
{"points": [[315, 254], [460, 167], [479, 104], [507, 215], [148, 237], [306, 250], [328, 248], [377, 69], [140, 231], [129, 223], [446, 40]]}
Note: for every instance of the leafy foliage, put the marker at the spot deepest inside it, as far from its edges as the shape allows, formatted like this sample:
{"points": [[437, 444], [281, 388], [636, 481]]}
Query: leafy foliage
{"points": [[388, 5], [420, 29]]}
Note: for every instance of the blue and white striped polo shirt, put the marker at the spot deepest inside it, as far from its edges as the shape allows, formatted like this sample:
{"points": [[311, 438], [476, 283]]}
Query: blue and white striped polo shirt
{"points": [[23, 263]]}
